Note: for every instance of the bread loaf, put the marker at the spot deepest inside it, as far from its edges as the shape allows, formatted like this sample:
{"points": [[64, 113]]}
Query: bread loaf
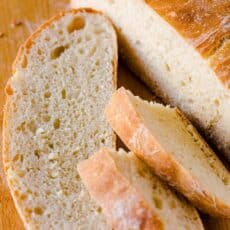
{"points": [[131, 197], [63, 77], [181, 50], [171, 146]]}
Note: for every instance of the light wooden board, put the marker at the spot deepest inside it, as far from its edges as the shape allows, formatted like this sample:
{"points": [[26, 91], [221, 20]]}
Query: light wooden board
{"points": [[18, 18]]}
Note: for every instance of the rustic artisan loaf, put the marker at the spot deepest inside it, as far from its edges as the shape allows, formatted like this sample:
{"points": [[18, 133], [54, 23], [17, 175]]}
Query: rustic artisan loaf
{"points": [[133, 198], [63, 78], [181, 49], [171, 146]]}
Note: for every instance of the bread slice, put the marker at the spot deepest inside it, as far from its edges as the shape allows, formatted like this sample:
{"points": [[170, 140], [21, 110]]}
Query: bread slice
{"points": [[181, 50], [63, 77], [131, 196], [171, 146]]}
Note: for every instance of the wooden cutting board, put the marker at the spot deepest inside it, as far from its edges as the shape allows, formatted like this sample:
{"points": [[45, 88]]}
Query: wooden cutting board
{"points": [[17, 21]]}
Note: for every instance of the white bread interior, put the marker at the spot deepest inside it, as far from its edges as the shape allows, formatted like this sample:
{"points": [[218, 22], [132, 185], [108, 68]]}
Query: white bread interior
{"points": [[169, 208], [170, 66], [178, 138], [54, 119]]}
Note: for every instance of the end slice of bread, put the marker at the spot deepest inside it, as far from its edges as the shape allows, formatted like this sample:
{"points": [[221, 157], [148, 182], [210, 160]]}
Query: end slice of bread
{"points": [[64, 76], [171, 146], [131, 196]]}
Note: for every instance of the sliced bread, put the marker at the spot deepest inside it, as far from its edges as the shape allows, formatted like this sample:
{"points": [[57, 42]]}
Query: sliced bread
{"points": [[63, 77], [133, 198], [172, 147], [181, 50]]}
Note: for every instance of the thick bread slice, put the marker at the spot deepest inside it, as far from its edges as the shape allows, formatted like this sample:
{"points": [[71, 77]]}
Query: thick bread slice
{"points": [[64, 77], [181, 50], [171, 146], [131, 196]]}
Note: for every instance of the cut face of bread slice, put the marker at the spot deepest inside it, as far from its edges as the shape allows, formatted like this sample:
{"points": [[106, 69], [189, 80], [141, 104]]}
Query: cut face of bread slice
{"points": [[181, 50], [64, 77], [169, 144], [131, 196]]}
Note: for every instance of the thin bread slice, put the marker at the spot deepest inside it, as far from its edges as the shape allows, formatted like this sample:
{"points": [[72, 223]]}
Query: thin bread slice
{"points": [[63, 77], [181, 50], [131, 196], [171, 146]]}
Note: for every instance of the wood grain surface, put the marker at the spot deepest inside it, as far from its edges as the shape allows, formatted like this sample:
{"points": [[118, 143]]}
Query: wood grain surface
{"points": [[18, 18]]}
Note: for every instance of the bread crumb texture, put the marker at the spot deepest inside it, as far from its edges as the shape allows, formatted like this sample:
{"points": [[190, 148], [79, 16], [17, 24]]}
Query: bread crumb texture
{"points": [[54, 118]]}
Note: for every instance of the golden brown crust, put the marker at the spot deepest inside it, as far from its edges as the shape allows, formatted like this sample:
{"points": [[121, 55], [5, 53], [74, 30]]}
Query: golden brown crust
{"points": [[204, 24], [129, 126], [121, 203]]}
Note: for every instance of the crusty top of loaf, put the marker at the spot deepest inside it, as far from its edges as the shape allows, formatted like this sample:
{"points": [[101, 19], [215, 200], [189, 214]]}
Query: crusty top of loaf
{"points": [[205, 25]]}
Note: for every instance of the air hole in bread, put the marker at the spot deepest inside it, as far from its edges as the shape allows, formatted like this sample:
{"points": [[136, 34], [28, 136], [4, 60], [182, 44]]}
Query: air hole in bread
{"points": [[99, 210], [77, 23], [57, 52], [167, 67], [38, 211], [21, 127], [48, 193], [97, 63], [47, 86], [79, 40], [78, 177], [182, 83], [23, 196], [37, 153], [92, 51], [46, 118], [33, 90], [21, 173], [39, 52], [217, 102], [225, 180], [47, 39], [103, 141], [157, 202], [75, 153], [56, 123], [24, 62], [16, 157], [24, 92], [32, 126], [72, 69], [60, 32], [81, 51], [51, 145], [47, 94], [97, 89], [64, 70], [63, 94]]}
